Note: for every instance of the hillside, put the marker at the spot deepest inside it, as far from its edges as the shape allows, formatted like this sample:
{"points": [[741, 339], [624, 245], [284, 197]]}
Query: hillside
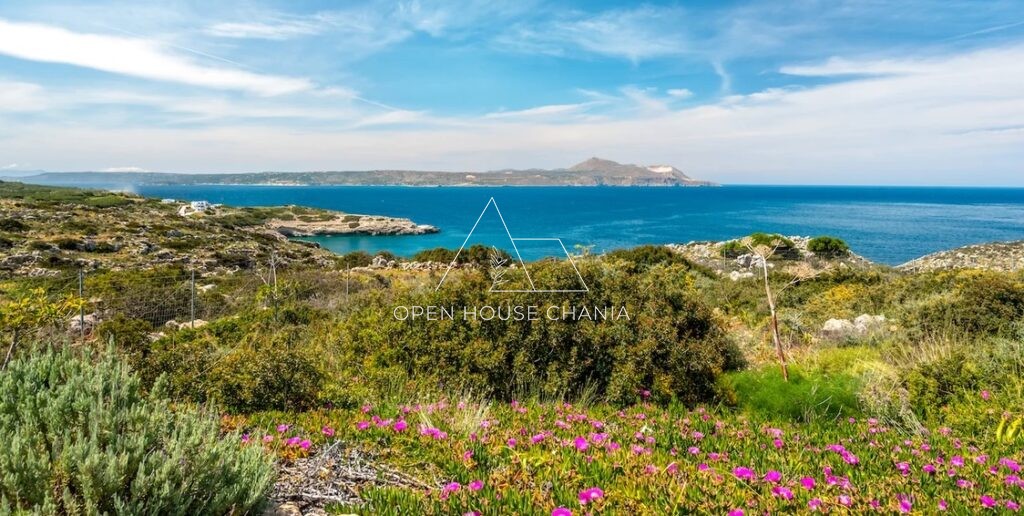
{"points": [[592, 172], [47, 229], [999, 256]]}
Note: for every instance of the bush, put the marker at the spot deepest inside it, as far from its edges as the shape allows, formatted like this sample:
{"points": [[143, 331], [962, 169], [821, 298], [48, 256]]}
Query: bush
{"points": [[129, 336], [808, 395], [828, 247], [646, 256], [671, 344], [735, 248], [438, 254], [979, 303], [355, 259], [12, 225], [81, 438]]}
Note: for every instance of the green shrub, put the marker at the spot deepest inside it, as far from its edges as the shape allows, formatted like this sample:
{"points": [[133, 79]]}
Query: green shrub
{"points": [[969, 302], [81, 438], [355, 259], [735, 248], [672, 344], [646, 256], [13, 225], [808, 395], [129, 336], [828, 247], [438, 254]]}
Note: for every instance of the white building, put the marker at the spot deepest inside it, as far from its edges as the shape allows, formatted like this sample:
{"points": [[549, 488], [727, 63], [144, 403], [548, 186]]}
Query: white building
{"points": [[200, 205]]}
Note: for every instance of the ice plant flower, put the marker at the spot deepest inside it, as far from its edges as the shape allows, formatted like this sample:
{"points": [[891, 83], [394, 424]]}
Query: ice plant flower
{"points": [[736, 512], [282, 428], [591, 494], [782, 492], [245, 438], [987, 501], [814, 504], [743, 473], [268, 438], [581, 444], [808, 483], [772, 476], [561, 511], [363, 425], [305, 444], [400, 425], [327, 431], [476, 485]]}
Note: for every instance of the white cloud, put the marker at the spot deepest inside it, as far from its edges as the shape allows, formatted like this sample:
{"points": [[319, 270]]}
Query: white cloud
{"points": [[279, 30], [124, 169], [951, 119], [635, 34], [17, 96], [679, 93], [11, 166], [134, 57], [549, 111]]}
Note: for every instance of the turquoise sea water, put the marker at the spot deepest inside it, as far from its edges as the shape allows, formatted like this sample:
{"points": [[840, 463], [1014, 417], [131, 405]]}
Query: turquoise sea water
{"points": [[886, 224]]}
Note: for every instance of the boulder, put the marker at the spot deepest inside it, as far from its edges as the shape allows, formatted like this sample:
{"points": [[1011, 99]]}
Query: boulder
{"points": [[838, 327]]}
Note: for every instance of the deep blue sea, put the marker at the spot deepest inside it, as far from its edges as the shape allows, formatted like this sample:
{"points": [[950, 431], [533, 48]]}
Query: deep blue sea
{"points": [[886, 224]]}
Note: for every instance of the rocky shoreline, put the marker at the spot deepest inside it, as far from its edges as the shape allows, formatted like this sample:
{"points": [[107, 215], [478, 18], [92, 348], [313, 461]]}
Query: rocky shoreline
{"points": [[709, 254], [997, 256], [349, 224]]}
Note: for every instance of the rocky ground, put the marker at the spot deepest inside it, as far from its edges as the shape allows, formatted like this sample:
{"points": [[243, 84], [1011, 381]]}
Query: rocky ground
{"points": [[709, 254], [1000, 256], [46, 231]]}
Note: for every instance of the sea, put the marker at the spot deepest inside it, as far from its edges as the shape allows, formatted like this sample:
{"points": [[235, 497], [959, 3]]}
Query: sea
{"points": [[889, 225]]}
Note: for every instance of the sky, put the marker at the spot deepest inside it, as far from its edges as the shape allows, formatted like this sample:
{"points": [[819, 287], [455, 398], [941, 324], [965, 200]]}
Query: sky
{"points": [[804, 92]]}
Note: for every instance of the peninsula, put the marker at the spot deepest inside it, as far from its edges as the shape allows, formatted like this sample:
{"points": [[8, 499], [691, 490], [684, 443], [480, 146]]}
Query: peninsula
{"points": [[592, 172]]}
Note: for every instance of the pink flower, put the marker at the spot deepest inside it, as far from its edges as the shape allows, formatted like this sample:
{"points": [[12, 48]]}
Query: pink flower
{"points": [[476, 485], [772, 476], [987, 501], [1012, 505], [736, 512], [581, 444], [814, 504], [282, 428], [1009, 464], [268, 438], [985, 395], [537, 438], [363, 425], [905, 504], [943, 505], [305, 444], [777, 443], [561, 511], [245, 438], [400, 425], [672, 468], [511, 442], [845, 500], [468, 454], [808, 483], [328, 431], [294, 441], [743, 473], [693, 450], [366, 409], [782, 492], [589, 495]]}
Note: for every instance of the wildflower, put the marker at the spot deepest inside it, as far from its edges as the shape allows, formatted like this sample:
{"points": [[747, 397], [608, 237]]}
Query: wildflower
{"points": [[581, 444], [305, 444], [736, 512], [985, 395], [777, 443], [814, 504], [468, 454], [476, 485], [772, 476], [845, 500], [1012, 505], [327, 431], [645, 394], [697, 435], [537, 438], [591, 494], [449, 489], [904, 468], [400, 425], [1009, 464], [743, 473], [808, 483], [561, 511], [672, 468], [905, 504], [703, 467], [294, 441], [957, 461], [282, 428], [363, 425], [367, 408], [928, 468], [693, 450], [943, 505], [987, 501], [782, 492], [268, 438], [511, 442], [245, 438]]}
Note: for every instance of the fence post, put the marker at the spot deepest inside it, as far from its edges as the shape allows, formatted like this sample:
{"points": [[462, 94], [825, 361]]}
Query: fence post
{"points": [[81, 299], [192, 300]]}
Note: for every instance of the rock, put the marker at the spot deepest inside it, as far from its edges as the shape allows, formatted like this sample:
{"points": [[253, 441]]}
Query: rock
{"points": [[737, 275], [838, 327], [90, 321], [205, 288], [866, 323], [285, 509], [348, 224], [379, 262]]}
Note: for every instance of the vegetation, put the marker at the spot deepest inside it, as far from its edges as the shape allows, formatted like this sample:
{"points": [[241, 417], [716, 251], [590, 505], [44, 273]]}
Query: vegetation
{"points": [[828, 247], [80, 437]]}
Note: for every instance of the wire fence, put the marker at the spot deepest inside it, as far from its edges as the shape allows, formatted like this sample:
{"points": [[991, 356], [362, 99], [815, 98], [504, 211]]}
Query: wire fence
{"points": [[180, 298]]}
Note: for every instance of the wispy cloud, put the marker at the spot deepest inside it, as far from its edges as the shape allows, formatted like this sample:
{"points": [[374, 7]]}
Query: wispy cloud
{"points": [[124, 169], [273, 30], [134, 57]]}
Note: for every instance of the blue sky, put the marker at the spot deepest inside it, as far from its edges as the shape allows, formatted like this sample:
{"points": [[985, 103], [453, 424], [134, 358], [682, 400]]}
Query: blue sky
{"points": [[855, 92]]}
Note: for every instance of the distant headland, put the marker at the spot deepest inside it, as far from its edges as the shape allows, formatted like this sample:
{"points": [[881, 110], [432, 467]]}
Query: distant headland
{"points": [[592, 172]]}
